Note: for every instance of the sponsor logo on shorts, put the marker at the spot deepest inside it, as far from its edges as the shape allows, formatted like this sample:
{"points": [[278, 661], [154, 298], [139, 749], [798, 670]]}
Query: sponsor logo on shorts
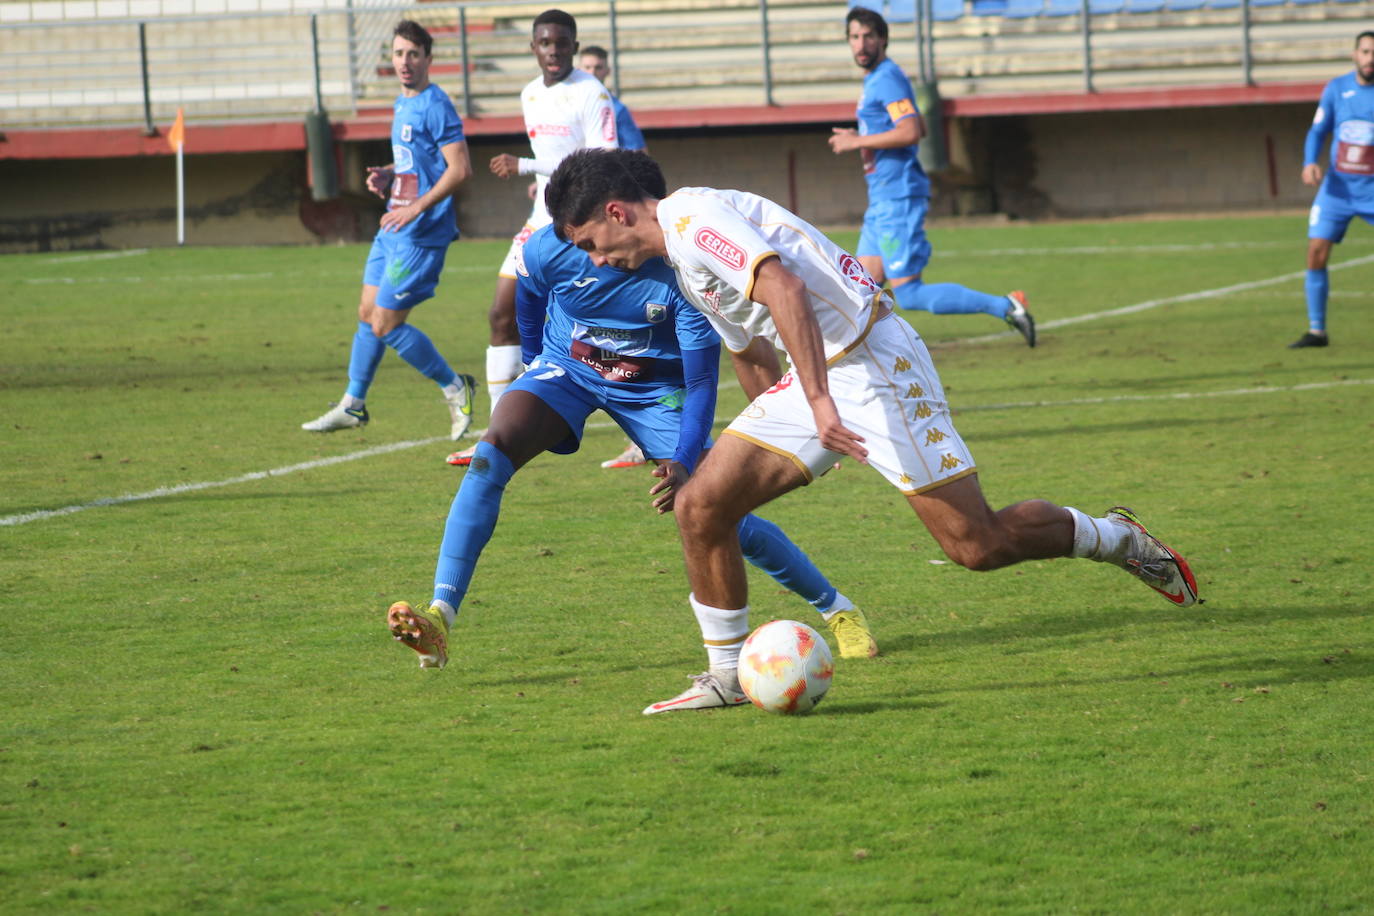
{"points": [[721, 248]]}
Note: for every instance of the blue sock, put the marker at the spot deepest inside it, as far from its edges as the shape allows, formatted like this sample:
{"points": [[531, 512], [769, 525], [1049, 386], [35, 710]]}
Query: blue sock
{"points": [[949, 299], [471, 520], [368, 351], [417, 349], [1318, 286], [766, 546]]}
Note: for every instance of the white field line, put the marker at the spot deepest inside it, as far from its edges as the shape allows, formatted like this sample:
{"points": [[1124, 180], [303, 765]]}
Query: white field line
{"points": [[1168, 300], [24, 518], [1168, 396], [101, 256]]}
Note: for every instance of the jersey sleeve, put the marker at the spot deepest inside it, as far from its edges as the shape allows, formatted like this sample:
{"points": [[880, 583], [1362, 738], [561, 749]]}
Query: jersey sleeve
{"points": [[1323, 122], [709, 236], [693, 331], [627, 131], [531, 300], [598, 120], [893, 90], [444, 124]]}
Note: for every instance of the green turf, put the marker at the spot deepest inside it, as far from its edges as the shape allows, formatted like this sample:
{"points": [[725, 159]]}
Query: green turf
{"points": [[203, 712]]}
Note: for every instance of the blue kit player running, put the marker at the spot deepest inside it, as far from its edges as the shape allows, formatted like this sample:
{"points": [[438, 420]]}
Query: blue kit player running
{"points": [[893, 244], [430, 161], [1347, 111], [625, 342]]}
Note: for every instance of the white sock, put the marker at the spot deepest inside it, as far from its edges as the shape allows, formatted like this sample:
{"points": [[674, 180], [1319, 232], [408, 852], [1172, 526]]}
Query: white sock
{"points": [[503, 367], [1098, 538], [841, 603], [349, 402], [722, 632], [443, 607]]}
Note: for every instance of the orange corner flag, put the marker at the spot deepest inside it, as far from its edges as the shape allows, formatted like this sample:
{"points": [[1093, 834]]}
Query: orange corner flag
{"points": [[176, 137]]}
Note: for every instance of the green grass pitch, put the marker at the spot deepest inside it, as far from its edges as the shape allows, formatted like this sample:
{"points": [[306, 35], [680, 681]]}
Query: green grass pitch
{"points": [[202, 711]]}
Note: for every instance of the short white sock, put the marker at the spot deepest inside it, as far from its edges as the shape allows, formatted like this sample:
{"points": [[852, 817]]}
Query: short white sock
{"points": [[349, 402], [443, 607], [503, 367], [1098, 538], [722, 632], [841, 603]]}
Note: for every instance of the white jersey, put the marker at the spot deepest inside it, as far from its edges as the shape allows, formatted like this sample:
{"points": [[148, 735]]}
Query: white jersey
{"points": [[574, 113], [716, 240]]}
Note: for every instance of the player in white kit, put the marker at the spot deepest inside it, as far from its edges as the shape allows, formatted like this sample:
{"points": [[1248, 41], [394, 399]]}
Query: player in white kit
{"points": [[565, 110], [861, 384]]}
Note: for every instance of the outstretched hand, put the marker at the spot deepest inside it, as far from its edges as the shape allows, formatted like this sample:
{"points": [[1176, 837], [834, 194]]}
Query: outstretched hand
{"points": [[672, 475]]}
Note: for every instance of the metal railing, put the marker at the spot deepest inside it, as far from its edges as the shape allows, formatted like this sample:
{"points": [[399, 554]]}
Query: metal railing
{"points": [[666, 54]]}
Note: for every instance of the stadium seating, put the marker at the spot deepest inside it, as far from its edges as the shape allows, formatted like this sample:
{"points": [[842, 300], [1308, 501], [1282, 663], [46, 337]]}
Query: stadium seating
{"points": [[1024, 9]]}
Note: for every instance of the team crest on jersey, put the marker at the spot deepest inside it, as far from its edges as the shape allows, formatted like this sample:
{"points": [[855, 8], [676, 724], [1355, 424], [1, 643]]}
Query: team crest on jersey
{"points": [[853, 270], [719, 247], [654, 312], [406, 133]]}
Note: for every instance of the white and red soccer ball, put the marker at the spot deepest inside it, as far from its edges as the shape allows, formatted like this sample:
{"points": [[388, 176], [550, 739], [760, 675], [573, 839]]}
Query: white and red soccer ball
{"points": [[785, 667]]}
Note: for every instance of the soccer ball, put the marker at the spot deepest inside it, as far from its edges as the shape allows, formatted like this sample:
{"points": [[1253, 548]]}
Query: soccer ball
{"points": [[785, 667]]}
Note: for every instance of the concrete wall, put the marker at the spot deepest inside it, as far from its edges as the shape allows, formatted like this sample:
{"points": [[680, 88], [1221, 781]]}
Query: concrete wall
{"points": [[1099, 164]]}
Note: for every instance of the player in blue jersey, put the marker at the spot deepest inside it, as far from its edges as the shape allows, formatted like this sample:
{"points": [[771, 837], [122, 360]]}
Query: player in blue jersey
{"points": [[625, 342], [430, 161], [893, 245], [1347, 112], [596, 60]]}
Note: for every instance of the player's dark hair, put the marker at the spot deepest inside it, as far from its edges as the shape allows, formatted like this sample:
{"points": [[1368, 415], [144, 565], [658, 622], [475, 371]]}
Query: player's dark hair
{"points": [[1361, 36], [416, 34], [587, 180], [555, 17], [869, 19], [596, 51]]}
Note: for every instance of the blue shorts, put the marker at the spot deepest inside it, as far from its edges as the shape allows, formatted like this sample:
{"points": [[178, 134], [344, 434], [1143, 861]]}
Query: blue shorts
{"points": [[1334, 208], [651, 419], [405, 275], [895, 230]]}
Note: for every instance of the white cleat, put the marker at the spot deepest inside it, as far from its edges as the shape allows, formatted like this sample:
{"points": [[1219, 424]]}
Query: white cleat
{"points": [[1155, 563], [337, 417], [708, 691], [632, 457], [459, 400]]}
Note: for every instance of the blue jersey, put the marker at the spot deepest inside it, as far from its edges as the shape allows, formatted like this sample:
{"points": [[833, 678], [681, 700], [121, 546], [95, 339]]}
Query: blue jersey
{"points": [[620, 328], [887, 98], [626, 130], [1347, 112], [423, 123]]}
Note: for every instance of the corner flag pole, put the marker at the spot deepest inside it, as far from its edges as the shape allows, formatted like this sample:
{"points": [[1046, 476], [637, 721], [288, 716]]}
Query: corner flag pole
{"points": [[176, 138]]}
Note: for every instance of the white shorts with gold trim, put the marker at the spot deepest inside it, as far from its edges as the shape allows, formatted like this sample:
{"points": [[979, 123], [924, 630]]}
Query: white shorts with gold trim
{"points": [[539, 217], [886, 390]]}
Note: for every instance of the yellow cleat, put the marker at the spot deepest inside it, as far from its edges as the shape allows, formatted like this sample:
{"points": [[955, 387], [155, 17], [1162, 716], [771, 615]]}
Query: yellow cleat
{"points": [[424, 631], [852, 634]]}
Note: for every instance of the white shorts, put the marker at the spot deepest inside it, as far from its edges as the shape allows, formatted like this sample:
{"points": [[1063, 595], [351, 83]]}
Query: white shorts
{"points": [[539, 217], [887, 391]]}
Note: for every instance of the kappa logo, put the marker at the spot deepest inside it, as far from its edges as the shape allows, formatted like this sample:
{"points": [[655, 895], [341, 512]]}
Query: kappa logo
{"points": [[721, 248], [782, 384], [585, 282], [712, 299], [681, 225]]}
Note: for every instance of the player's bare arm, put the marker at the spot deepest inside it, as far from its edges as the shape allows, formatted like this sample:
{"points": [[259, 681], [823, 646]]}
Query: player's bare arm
{"points": [[458, 169], [757, 367], [1312, 174], [505, 165], [906, 132], [784, 294]]}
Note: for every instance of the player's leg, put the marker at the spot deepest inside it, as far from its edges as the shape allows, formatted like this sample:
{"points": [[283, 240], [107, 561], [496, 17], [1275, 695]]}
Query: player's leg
{"points": [[768, 548], [525, 424], [503, 354], [734, 478], [1326, 225], [365, 355], [900, 225]]}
